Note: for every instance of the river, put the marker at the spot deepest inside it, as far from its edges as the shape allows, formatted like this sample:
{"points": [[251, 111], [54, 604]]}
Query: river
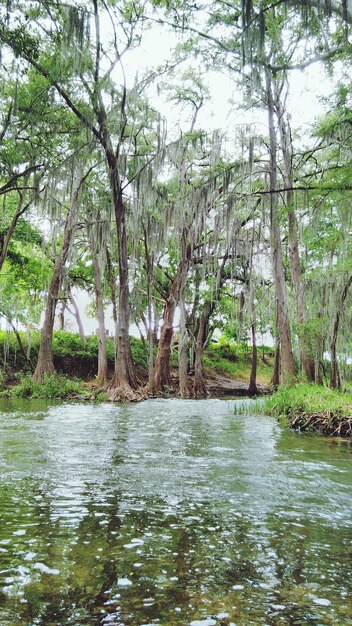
{"points": [[170, 513]]}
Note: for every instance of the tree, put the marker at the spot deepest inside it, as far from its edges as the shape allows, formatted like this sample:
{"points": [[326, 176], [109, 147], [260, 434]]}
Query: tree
{"points": [[45, 364]]}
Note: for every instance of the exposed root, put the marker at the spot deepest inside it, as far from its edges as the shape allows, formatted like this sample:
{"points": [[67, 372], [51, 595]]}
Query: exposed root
{"points": [[125, 393], [326, 423]]}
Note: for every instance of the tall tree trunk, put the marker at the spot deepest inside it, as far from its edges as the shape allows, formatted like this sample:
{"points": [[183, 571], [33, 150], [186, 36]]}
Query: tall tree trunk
{"points": [[77, 317], [62, 315], [199, 389], [276, 372], [252, 388], [162, 375], [103, 374], [335, 379], [319, 358], [124, 380], [184, 388], [45, 364], [155, 324], [149, 262], [112, 283], [287, 373], [307, 362]]}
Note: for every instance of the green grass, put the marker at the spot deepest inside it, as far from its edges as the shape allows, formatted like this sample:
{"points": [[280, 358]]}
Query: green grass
{"points": [[58, 386], [309, 399], [236, 361]]}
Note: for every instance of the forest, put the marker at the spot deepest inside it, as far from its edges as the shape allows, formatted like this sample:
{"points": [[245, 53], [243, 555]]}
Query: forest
{"points": [[175, 312], [115, 182]]}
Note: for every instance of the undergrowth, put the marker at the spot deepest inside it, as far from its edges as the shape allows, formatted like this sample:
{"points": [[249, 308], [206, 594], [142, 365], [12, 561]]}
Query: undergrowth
{"points": [[236, 361], [57, 386], [290, 401]]}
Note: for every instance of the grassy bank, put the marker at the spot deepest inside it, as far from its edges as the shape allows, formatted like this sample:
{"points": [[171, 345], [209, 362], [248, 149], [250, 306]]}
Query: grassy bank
{"points": [[76, 364], [236, 362], [313, 407]]}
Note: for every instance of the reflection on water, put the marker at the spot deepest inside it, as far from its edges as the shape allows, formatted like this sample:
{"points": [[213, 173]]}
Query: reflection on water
{"points": [[170, 513]]}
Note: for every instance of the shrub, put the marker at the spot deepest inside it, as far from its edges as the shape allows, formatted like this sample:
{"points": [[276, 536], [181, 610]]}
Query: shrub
{"points": [[57, 386]]}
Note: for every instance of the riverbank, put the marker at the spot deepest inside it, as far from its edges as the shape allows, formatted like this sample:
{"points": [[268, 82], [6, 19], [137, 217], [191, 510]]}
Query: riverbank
{"points": [[227, 368], [308, 407]]}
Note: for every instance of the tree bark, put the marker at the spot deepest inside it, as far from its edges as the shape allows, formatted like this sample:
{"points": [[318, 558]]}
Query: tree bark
{"points": [[112, 282], [45, 364], [252, 388], [307, 362], [276, 372], [150, 330], [184, 389], [77, 317], [200, 389], [103, 374], [287, 373], [335, 379], [62, 315], [162, 375], [124, 380]]}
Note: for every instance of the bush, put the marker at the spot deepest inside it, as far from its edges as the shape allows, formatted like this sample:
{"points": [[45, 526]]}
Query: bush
{"points": [[57, 386]]}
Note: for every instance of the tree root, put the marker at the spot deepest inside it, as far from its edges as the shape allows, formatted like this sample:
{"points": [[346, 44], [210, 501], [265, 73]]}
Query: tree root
{"points": [[325, 422], [125, 393]]}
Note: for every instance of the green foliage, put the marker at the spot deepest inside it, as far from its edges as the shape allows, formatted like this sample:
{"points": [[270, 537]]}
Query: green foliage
{"points": [[235, 361], [308, 398], [139, 352], [58, 386], [20, 41], [68, 352]]}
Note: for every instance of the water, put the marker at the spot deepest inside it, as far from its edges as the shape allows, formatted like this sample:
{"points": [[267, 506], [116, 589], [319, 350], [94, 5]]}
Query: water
{"points": [[170, 513]]}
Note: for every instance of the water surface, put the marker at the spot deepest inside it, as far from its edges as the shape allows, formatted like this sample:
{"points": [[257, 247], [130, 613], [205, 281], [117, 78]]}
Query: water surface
{"points": [[170, 513]]}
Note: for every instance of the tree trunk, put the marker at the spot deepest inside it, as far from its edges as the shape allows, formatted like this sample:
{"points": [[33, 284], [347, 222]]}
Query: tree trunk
{"points": [[112, 282], [155, 324], [184, 388], [77, 317], [252, 388], [124, 380], [20, 344], [307, 362], [150, 343], [276, 372], [335, 379], [45, 364], [62, 315], [162, 375], [149, 262], [287, 373], [103, 374], [200, 389], [334, 374]]}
